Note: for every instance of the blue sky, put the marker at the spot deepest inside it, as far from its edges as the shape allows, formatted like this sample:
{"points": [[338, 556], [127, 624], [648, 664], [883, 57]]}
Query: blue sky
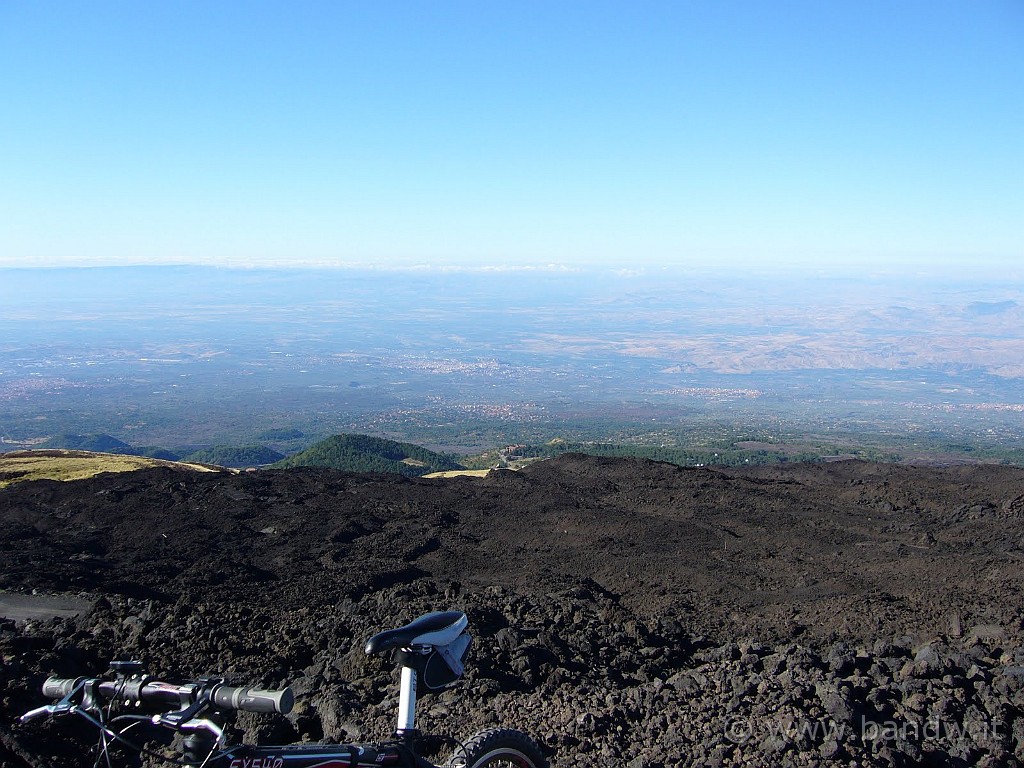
{"points": [[484, 133]]}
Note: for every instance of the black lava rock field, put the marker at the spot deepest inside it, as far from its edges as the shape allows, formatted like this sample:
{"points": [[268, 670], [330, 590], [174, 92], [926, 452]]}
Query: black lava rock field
{"points": [[626, 613]]}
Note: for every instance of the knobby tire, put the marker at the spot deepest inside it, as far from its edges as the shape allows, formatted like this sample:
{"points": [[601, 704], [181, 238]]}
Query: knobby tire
{"points": [[498, 747]]}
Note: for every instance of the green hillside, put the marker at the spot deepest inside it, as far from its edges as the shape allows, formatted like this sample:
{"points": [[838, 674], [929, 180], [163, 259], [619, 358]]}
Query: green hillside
{"points": [[236, 455], [362, 453]]}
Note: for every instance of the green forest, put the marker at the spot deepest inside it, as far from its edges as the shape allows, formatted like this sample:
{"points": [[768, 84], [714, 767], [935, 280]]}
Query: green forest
{"points": [[362, 453]]}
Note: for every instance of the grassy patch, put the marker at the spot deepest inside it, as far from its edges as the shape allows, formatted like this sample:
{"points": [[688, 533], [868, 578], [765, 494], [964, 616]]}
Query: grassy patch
{"points": [[76, 465], [461, 473]]}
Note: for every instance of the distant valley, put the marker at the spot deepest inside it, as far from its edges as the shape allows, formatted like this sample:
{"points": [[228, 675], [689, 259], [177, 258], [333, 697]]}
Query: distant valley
{"points": [[187, 359]]}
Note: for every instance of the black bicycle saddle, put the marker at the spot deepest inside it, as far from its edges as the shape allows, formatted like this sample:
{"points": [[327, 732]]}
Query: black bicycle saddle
{"points": [[435, 629]]}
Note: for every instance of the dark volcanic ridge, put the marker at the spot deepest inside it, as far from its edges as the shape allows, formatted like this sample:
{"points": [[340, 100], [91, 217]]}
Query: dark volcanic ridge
{"points": [[624, 611]]}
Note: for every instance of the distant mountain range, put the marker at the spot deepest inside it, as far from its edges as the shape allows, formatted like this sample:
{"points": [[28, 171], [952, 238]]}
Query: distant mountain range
{"points": [[222, 455], [102, 443], [354, 453], [363, 453], [99, 443]]}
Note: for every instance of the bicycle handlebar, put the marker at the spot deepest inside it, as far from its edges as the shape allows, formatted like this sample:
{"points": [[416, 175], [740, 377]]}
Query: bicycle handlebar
{"points": [[253, 699], [58, 688], [221, 696]]}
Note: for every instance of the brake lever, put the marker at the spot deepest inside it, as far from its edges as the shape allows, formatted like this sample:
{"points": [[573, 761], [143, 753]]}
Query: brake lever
{"points": [[38, 712], [49, 709], [195, 724], [188, 714]]}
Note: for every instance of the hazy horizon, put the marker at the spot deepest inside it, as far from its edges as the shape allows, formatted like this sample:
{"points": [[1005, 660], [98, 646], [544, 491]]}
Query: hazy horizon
{"points": [[1009, 272]]}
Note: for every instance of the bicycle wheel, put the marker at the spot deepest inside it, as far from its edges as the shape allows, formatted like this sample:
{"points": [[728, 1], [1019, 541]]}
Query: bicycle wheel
{"points": [[498, 747]]}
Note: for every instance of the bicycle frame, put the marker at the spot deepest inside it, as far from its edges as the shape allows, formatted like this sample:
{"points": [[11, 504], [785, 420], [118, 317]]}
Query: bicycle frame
{"points": [[316, 756], [202, 750]]}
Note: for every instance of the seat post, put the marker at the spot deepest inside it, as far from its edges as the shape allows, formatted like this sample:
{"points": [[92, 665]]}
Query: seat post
{"points": [[407, 701]]}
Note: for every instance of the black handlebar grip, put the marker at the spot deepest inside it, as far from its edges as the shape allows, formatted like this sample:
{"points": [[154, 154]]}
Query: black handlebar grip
{"points": [[59, 687], [253, 699]]}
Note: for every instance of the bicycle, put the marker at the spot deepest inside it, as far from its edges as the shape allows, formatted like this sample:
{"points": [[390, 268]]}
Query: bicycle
{"points": [[429, 651]]}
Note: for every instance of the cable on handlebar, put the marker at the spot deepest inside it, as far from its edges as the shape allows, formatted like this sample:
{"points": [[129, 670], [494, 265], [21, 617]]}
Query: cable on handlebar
{"points": [[116, 736]]}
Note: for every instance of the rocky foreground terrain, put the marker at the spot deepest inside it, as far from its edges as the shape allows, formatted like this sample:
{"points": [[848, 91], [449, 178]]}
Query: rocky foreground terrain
{"points": [[624, 612]]}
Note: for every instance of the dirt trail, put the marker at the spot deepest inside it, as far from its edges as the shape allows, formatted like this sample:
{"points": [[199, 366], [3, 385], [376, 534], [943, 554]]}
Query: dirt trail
{"points": [[21, 608]]}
